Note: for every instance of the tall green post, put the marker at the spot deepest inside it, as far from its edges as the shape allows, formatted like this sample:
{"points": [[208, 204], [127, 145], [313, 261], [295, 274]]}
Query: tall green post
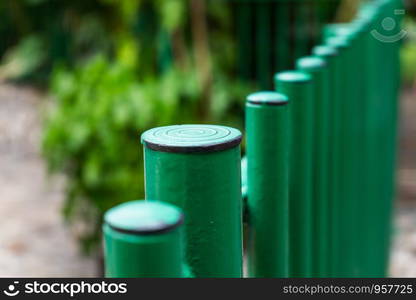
{"points": [[317, 67], [370, 225], [329, 54], [297, 86], [267, 163], [352, 129], [363, 174], [385, 38], [143, 239], [197, 167]]}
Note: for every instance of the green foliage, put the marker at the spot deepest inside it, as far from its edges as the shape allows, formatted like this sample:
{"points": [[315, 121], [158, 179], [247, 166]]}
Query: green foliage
{"points": [[92, 132], [114, 69], [24, 59]]}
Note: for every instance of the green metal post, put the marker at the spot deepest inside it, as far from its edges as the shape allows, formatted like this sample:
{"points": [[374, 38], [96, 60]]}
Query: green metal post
{"points": [[263, 44], [245, 42], [197, 167], [317, 67], [143, 239], [284, 35], [352, 132], [380, 131], [267, 163], [301, 21], [383, 134], [330, 55], [342, 208], [298, 87], [363, 172], [387, 35], [396, 10], [371, 222]]}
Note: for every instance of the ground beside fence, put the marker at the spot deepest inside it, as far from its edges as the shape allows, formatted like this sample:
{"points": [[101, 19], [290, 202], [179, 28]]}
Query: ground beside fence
{"points": [[33, 238]]}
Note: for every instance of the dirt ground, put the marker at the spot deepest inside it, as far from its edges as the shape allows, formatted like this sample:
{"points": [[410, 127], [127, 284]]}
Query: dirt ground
{"points": [[34, 241], [403, 261]]}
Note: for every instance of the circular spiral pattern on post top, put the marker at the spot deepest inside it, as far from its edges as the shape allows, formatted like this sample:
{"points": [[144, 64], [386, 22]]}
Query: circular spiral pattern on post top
{"points": [[311, 63], [191, 138]]}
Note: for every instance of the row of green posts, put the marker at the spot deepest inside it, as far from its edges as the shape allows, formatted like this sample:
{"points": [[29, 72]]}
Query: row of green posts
{"points": [[316, 185]]}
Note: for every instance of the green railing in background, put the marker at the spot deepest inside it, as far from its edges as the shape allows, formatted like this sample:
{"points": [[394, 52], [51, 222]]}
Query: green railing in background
{"points": [[318, 176], [272, 34]]}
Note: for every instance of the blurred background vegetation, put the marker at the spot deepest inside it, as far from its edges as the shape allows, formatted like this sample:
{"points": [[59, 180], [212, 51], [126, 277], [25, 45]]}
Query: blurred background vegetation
{"points": [[114, 68]]}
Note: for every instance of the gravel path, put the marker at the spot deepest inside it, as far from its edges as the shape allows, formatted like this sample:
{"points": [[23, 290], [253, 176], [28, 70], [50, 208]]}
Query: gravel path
{"points": [[33, 240], [35, 243], [403, 262]]}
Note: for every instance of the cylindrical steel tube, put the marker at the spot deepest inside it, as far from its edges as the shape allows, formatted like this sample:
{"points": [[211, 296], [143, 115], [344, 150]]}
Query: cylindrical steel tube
{"points": [[352, 120], [298, 87], [197, 167], [388, 36], [267, 161], [143, 239], [317, 67], [329, 54], [380, 34], [342, 208]]}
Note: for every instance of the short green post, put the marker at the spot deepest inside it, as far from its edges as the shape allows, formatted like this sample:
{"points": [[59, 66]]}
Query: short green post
{"points": [[371, 233], [317, 67], [143, 239], [297, 86], [267, 163], [197, 167]]}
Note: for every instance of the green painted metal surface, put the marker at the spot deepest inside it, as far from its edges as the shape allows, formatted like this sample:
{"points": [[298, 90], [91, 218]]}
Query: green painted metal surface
{"points": [[197, 167], [318, 68], [267, 176], [330, 53], [298, 87], [143, 239], [318, 177], [381, 129], [351, 129], [342, 202]]}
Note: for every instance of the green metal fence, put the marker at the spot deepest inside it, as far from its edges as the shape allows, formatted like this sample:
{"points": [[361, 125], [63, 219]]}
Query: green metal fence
{"points": [[317, 182]]}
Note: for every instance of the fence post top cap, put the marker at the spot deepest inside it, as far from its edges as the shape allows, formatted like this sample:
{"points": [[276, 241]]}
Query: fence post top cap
{"points": [[293, 76], [324, 50], [347, 30], [311, 63], [143, 217], [267, 98], [338, 41], [191, 138]]}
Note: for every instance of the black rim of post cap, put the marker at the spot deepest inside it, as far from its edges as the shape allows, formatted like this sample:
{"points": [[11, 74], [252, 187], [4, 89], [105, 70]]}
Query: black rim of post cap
{"points": [[191, 138]]}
